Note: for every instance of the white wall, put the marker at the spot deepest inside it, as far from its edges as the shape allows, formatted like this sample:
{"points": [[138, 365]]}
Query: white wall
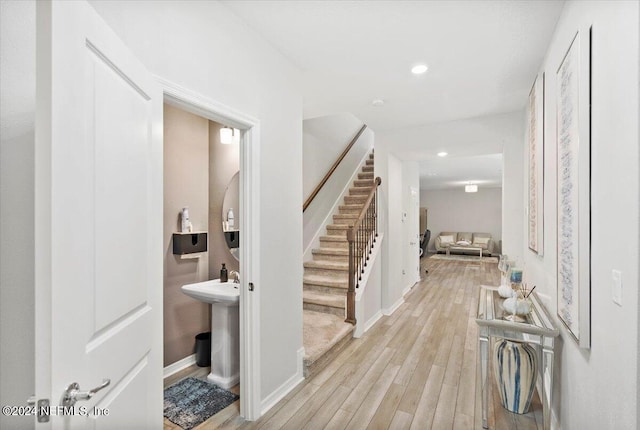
{"points": [[390, 209], [513, 190], [598, 388], [411, 224], [323, 140], [17, 117], [467, 137], [205, 48], [455, 210], [399, 271]]}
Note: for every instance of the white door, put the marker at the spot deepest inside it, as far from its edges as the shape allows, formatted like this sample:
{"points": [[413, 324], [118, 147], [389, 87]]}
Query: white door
{"points": [[98, 224], [413, 235]]}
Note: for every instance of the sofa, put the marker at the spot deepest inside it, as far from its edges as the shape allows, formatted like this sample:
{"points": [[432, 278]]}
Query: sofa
{"points": [[447, 239]]}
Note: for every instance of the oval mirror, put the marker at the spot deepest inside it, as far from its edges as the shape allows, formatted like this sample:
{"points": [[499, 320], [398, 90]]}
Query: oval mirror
{"points": [[231, 215]]}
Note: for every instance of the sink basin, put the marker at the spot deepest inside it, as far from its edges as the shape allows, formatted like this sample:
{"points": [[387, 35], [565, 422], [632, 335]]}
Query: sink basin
{"points": [[224, 298], [214, 291]]}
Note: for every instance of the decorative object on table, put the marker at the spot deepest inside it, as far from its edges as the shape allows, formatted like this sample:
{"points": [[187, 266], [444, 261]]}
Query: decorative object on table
{"points": [[518, 304], [573, 181], [515, 367], [516, 308], [536, 165], [506, 291], [504, 266], [193, 401], [516, 276]]}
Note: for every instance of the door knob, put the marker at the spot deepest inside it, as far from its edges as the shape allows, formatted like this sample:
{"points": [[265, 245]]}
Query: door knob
{"points": [[72, 393]]}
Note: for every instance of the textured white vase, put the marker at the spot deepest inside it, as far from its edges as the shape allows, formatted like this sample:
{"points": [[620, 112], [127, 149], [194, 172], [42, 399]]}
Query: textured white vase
{"points": [[515, 368]]}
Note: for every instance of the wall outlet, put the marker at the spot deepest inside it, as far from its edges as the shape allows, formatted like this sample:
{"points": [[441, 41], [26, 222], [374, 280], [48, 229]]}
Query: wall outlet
{"points": [[616, 287]]}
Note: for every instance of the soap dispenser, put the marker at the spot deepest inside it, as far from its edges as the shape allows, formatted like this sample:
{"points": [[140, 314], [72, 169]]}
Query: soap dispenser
{"points": [[224, 275]]}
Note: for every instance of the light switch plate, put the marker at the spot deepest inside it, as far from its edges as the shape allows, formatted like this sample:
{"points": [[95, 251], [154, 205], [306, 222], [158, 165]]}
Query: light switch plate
{"points": [[616, 287]]}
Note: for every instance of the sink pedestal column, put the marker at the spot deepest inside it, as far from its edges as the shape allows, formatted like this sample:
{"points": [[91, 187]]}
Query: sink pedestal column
{"points": [[225, 345]]}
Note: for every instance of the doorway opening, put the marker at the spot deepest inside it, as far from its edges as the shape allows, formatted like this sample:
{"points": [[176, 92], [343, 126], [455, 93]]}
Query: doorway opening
{"points": [[228, 192]]}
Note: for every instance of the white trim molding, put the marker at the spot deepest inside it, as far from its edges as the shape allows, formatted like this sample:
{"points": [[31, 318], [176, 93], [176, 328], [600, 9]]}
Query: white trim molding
{"points": [[174, 368], [250, 375], [390, 310], [272, 399]]}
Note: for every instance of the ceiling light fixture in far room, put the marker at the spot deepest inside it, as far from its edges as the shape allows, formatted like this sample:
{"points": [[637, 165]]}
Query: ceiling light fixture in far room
{"points": [[377, 102], [442, 154], [419, 69], [471, 188]]}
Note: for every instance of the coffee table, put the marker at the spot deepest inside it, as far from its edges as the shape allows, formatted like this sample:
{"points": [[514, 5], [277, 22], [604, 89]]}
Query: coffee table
{"points": [[465, 248]]}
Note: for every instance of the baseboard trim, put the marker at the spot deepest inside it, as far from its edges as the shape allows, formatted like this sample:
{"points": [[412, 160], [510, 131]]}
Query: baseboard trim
{"points": [[174, 368], [272, 399], [390, 310], [408, 288], [374, 319]]}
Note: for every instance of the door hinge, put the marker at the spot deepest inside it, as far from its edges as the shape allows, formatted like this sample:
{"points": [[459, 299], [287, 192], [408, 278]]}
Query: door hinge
{"points": [[41, 408], [250, 286]]}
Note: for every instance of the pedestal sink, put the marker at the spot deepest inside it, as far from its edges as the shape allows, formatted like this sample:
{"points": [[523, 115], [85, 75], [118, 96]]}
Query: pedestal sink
{"points": [[224, 298]]}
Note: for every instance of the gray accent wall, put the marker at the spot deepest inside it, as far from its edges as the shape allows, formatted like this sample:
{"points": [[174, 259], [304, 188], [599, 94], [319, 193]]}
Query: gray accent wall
{"points": [[455, 210], [186, 183]]}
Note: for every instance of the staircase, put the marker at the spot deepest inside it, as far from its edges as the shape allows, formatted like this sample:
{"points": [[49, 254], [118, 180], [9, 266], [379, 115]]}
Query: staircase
{"points": [[326, 280]]}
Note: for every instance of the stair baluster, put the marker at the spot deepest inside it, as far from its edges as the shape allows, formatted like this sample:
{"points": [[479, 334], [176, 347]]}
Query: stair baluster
{"points": [[361, 236]]}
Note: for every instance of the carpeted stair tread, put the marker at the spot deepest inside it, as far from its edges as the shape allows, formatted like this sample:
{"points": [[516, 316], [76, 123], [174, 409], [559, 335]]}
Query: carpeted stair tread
{"points": [[367, 168], [330, 251], [325, 281], [354, 209], [359, 191], [337, 230], [327, 265], [365, 175], [347, 219], [369, 162], [358, 198], [336, 300], [338, 240], [363, 183], [321, 332]]}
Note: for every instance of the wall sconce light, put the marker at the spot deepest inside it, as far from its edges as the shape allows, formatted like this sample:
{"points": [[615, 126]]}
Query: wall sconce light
{"points": [[226, 135], [471, 188]]}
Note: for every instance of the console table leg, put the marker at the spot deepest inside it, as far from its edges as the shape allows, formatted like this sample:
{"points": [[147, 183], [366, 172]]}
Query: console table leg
{"points": [[547, 388], [483, 344]]}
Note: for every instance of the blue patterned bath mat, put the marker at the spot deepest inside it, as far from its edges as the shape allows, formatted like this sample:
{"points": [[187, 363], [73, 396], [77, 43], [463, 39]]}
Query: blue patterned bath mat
{"points": [[193, 401]]}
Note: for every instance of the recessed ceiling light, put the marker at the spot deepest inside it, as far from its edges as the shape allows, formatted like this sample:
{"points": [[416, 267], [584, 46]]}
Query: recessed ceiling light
{"points": [[377, 102], [419, 69], [442, 154]]}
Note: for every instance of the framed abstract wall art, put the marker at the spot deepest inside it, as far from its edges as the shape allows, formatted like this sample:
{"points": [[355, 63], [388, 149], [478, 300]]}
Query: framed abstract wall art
{"points": [[535, 131], [573, 101]]}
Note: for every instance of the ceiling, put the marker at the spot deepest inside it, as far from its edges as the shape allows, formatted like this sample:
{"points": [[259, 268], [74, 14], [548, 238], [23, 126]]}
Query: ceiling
{"points": [[482, 55]]}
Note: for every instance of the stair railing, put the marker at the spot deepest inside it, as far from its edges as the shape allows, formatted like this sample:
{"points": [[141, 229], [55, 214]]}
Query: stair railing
{"points": [[362, 237], [332, 169]]}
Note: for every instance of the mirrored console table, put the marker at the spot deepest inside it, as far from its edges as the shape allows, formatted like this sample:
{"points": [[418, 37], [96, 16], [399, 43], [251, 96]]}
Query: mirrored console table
{"points": [[538, 330]]}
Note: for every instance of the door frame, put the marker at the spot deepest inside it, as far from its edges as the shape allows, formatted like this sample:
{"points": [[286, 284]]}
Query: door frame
{"points": [[197, 104]]}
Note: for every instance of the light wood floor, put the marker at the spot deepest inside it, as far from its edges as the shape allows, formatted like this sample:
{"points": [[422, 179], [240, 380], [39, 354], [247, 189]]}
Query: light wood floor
{"points": [[416, 369]]}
